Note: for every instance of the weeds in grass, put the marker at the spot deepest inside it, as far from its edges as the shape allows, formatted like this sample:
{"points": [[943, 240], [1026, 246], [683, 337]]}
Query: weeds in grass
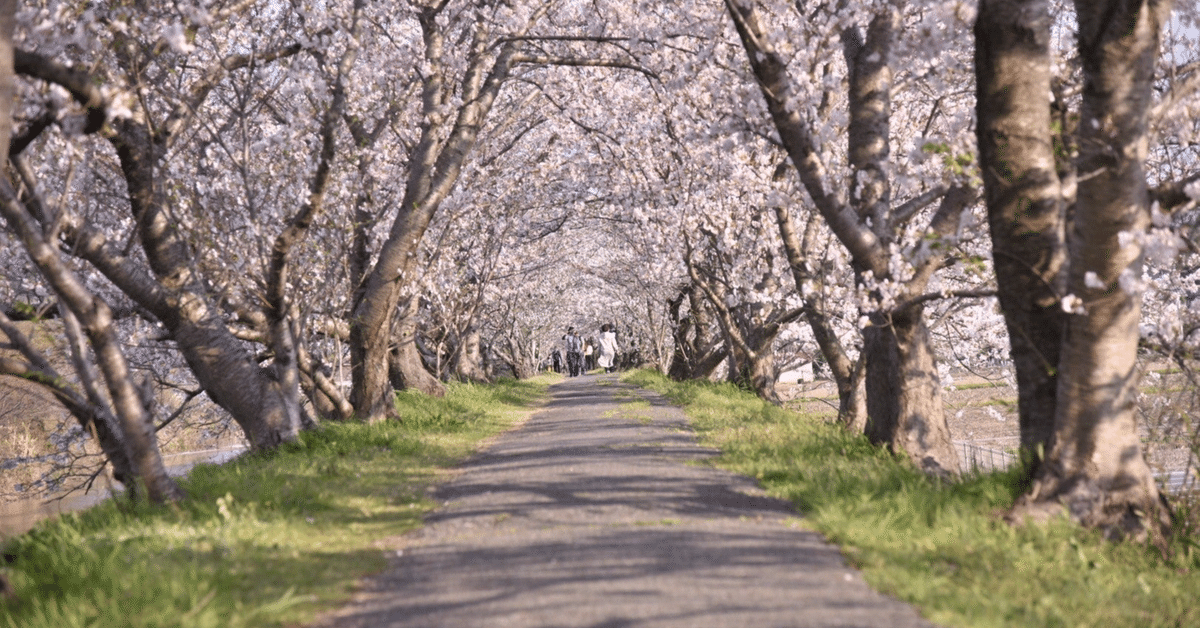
{"points": [[266, 539], [942, 547]]}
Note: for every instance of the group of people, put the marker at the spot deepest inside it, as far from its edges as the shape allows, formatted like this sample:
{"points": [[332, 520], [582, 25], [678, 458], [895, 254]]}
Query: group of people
{"points": [[585, 355]]}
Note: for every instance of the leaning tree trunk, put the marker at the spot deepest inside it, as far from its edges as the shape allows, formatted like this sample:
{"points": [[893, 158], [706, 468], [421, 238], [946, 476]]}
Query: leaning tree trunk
{"points": [[1095, 466], [136, 425], [863, 227], [173, 293], [222, 366], [92, 413], [434, 168], [1024, 201], [852, 407]]}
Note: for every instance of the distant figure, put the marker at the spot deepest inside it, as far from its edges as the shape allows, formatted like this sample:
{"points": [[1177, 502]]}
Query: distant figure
{"points": [[589, 355], [574, 352], [608, 347], [556, 360]]}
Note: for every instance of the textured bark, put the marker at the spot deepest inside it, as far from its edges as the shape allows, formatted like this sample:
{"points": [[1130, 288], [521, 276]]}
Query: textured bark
{"points": [[868, 145], [696, 354], [1025, 205], [865, 225], [904, 403], [434, 169], [469, 364], [407, 366], [756, 368], [220, 363], [1095, 466]]}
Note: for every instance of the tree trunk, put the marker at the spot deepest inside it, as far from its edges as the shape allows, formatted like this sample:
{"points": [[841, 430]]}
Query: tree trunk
{"points": [[136, 425], [469, 365], [94, 417], [852, 409], [1024, 201], [172, 291], [760, 371], [326, 397], [864, 228], [434, 168], [220, 363], [1095, 466], [408, 369], [904, 398]]}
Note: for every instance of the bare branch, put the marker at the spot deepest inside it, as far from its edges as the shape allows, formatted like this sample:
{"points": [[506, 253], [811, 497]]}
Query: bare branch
{"points": [[578, 62], [946, 294], [1170, 195], [905, 212], [81, 85]]}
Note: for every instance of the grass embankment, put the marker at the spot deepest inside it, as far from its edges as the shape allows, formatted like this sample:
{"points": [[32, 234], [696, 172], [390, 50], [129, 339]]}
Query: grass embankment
{"points": [[941, 547], [264, 540]]}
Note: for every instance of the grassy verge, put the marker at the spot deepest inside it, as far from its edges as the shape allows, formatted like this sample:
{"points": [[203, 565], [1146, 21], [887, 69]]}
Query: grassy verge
{"points": [[941, 547], [264, 540]]}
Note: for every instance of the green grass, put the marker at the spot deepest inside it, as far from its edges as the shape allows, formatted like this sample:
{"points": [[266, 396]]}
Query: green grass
{"points": [[980, 385], [265, 540], [941, 547]]}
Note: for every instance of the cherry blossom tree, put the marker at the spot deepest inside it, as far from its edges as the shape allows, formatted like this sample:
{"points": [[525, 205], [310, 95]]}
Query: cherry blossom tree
{"points": [[903, 389], [1072, 216]]}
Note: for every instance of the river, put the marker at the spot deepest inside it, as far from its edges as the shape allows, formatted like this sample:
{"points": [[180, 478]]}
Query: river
{"points": [[19, 516]]}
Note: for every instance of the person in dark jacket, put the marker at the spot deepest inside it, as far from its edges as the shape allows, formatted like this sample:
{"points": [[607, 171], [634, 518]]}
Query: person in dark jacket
{"points": [[574, 346]]}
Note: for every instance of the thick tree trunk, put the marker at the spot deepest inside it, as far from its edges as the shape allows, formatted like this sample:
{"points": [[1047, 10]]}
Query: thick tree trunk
{"points": [[760, 370], [408, 368], [1095, 466], [469, 364], [1024, 200], [904, 398], [697, 355]]}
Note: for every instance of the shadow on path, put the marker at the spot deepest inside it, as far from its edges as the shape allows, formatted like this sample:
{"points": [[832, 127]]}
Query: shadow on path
{"points": [[596, 513]]}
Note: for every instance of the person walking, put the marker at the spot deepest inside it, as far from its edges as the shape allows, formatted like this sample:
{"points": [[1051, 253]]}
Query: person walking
{"points": [[608, 348], [574, 347], [556, 360], [589, 355]]}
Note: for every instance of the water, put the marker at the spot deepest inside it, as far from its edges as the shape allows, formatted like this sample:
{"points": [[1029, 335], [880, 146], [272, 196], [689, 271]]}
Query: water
{"points": [[18, 517]]}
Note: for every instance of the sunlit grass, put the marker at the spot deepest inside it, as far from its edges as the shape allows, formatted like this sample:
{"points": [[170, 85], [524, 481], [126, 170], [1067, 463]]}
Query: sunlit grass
{"points": [[263, 540], [942, 547]]}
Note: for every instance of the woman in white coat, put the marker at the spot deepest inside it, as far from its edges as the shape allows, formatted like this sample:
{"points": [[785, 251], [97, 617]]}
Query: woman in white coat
{"points": [[608, 348]]}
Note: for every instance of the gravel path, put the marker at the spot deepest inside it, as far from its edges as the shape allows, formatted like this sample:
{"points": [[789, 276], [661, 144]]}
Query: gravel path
{"points": [[594, 514]]}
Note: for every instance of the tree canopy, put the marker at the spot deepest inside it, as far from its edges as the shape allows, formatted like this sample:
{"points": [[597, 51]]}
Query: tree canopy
{"points": [[303, 206]]}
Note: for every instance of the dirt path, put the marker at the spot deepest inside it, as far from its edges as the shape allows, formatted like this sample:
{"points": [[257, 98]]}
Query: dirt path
{"points": [[591, 515]]}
